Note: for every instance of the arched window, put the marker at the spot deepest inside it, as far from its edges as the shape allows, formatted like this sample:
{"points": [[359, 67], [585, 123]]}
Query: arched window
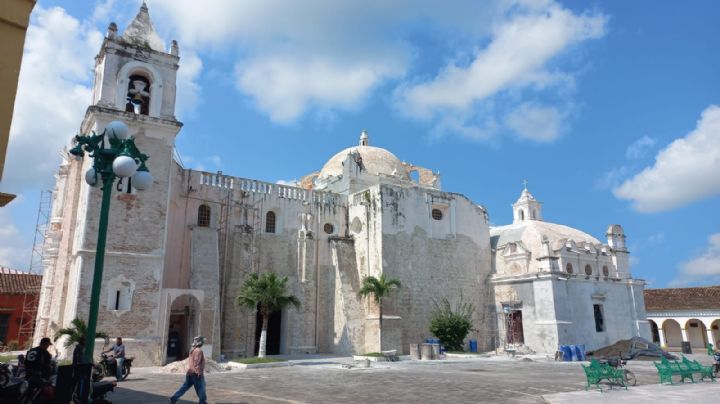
{"points": [[270, 222], [534, 214], [588, 270], [569, 268], [203, 216], [138, 95], [521, 213], [605, 270]]}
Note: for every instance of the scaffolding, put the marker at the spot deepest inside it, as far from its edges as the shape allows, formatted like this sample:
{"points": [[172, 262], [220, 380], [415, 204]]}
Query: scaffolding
{"points": [[31, 298]]}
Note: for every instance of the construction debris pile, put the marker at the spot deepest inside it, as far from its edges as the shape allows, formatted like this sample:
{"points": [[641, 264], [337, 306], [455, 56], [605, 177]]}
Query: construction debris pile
{"points": [[181, 367], [634, 348]]}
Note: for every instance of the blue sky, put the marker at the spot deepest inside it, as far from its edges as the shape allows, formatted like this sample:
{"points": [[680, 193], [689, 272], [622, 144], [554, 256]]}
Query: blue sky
{"points": [[611, 110]]}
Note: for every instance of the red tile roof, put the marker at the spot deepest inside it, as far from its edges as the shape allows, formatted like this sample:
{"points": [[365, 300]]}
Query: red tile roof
{"points": [[14, 282], [701, 298]]}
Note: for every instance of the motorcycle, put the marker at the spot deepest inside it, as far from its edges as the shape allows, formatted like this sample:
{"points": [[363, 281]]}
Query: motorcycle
{"points": [[618, 362], [107, 367], [12, 389], [99, 390]]}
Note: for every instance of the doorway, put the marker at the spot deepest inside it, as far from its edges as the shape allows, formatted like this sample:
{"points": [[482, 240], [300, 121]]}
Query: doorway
{"points": [[183, 325], [272, 343], [514, 327]]}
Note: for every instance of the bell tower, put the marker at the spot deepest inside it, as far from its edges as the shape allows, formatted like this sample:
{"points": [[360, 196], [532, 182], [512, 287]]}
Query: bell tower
{"points": [[134, 83], [526, 207]]}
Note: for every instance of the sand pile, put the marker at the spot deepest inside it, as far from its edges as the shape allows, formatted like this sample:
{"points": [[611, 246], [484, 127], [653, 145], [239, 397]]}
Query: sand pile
{"points": [[635, 348], [181, 367]]}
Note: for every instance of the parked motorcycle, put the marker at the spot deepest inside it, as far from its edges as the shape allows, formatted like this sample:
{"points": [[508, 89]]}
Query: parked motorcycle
{"points": [[99, 390], [12, 389], [618, 362], [107, 367]]}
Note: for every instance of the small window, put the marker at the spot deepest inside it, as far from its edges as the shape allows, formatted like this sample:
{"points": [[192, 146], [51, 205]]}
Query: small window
{"points": [[513, 247], [270, 222], [203, 216], [599, 320], [694, 325], [437, 214], [329, 228], [606, 271], [569, 268], [521, 213], [588, 270]]}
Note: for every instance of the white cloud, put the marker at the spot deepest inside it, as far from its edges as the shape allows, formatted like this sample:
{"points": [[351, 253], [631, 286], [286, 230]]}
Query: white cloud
{"points": [[530, 121], [188, 88], [639, 148], [703, 269], [53, 93], [523, 43], [612, 178], [285, 86], [15, 249], [684, 172]]}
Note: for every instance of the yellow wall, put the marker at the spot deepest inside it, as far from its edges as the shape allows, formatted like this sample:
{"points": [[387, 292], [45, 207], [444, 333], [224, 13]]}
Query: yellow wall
{"points": [[14, 17]]}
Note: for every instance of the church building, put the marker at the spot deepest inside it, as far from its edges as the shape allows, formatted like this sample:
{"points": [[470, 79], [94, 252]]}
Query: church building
{"points": [[178, 253]]}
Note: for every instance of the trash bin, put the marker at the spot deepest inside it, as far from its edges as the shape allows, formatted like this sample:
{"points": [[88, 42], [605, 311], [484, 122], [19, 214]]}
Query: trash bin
{"points": [[567, 353], [573, 354], [436, 351], [580, 352], [415, 351], [686, 348], [426, 352], [473, 345]]}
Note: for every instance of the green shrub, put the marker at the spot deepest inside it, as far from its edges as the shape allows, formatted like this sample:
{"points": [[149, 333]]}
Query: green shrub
{"points": [[451, 325], [13, 345]]}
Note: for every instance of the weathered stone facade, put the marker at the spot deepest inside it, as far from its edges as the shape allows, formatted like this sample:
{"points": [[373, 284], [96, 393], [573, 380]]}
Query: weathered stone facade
{"points": [[178, 253]]}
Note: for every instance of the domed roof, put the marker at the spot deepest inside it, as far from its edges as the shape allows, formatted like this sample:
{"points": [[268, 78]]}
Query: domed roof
{"points": [[532, 232], [375, 160]]}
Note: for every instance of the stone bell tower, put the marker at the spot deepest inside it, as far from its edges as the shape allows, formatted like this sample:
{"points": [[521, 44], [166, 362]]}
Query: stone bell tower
{"points": [[134, 83]]}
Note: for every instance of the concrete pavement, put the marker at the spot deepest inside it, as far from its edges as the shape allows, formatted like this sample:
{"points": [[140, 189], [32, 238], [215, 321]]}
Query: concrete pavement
{"points": [[461, 380]]}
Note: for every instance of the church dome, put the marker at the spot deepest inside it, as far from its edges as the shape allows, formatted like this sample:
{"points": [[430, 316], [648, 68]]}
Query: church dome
{"points": [[532, 233], [375, 160]]}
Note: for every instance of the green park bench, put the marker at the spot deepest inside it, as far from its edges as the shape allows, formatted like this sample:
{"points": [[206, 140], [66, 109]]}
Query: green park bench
{"points": [[596, 372], [696, 367], [666, 369]]}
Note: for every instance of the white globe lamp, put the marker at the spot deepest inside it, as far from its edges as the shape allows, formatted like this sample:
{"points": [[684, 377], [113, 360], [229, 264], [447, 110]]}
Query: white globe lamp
{"points": [[117, 129], [91, 177], [142, 180], [124, 166]]}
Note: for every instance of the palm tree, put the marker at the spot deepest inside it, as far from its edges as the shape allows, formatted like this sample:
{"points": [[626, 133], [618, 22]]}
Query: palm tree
{"points": [[268, 293], [77, 330], [378, 288]]}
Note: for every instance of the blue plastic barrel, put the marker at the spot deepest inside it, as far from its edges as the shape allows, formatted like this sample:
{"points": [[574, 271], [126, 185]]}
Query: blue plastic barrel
{"points": [[580, 352], [473, 345], [573, 353], [567, 353]]}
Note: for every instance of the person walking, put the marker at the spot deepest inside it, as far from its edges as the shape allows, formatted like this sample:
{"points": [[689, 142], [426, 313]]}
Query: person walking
{"points": [[194, 376]]}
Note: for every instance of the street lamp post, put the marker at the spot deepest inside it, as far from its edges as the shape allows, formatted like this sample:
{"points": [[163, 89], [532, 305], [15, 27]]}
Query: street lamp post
{"points": [[114, 155]]}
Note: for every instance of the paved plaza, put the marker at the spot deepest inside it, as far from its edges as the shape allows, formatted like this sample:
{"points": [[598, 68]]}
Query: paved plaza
{"points": [[474, 380]]}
